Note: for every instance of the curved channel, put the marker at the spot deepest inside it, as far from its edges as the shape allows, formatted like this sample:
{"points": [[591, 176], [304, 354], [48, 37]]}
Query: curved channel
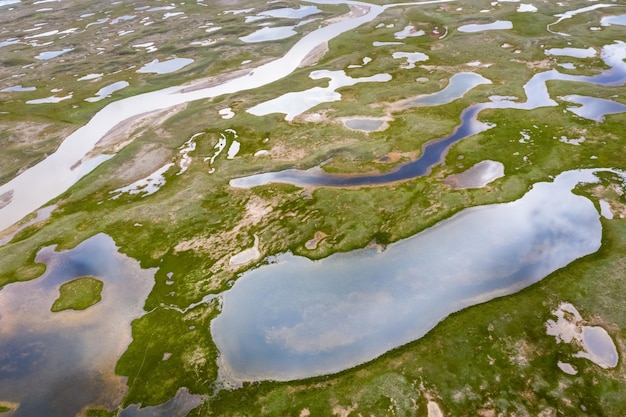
{"points": [[537, 94], [54, 175]]}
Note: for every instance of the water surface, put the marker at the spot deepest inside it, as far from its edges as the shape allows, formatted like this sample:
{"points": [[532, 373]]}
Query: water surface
{"points": [[54, 364], [297, 318], [269, 34], [165, 67], [295, 103], [105, 92], [537, 95], [52, 54], [572, 52], [614, 20], [497, 25], [594, 108], [364, 124], [458, 86], [49, 178]]}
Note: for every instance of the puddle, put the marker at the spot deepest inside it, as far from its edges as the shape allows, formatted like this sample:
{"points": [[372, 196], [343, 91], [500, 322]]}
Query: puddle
{"points": [[52, 54], [233, 150], [269, 34], [90, 77], [572, 52], [598, 347], [386, 43], [411, 58], [497, 25], [526, 8], [51, 99], [108, 90], [567, 368], [595, 343], [17, 88], [296, 103], [145, 186], [408, 32], [290, 13], [165, 67], [365, 124], [226, 113]]}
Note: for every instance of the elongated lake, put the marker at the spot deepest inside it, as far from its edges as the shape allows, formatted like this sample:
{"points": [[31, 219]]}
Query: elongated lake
{"points": [[297, 318]]}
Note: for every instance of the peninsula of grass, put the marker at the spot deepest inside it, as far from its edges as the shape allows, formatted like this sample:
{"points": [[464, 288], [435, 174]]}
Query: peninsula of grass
{"points": [[78, 294]]}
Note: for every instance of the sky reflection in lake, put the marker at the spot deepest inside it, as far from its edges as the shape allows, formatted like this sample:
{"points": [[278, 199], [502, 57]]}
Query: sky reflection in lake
{"points": [[297, 318], [45, 356]]}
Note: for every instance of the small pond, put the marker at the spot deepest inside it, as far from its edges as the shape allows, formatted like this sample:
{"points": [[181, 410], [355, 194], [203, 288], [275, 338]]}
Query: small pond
{"points": [[165, 67], [458, 86], [108, 90], [497, 25], [614, 20], [364, 124], [269, 34], [572, 52], [52, 54]]}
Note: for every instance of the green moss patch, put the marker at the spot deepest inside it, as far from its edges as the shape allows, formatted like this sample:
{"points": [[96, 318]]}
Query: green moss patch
{"points": [[78, 294]]}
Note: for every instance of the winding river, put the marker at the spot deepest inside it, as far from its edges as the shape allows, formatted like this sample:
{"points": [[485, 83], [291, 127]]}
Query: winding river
{"points": [[54, 175], [537, 95]]}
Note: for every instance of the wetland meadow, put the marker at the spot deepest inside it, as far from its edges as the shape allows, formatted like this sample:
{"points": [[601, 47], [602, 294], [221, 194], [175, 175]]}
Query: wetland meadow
{"points": [[312, 208]]}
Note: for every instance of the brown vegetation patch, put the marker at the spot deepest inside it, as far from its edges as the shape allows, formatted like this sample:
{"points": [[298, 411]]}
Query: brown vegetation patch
{"points": [[224, 245], [5, 198], [125, 132], [543, 64], [315, 55], [150, 158], [317, 238]]}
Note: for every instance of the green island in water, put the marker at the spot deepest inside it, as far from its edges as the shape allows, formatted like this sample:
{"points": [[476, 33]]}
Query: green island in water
{"points": [[312, 208], [78, 294]]}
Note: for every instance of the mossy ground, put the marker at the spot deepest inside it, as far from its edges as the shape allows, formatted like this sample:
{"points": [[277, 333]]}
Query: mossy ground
{"points": [[193, 225], [78, 294]]}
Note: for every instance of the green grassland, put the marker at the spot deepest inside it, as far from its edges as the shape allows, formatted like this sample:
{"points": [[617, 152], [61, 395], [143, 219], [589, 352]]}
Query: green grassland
{"points": [[486, 360], [78, 294]]}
